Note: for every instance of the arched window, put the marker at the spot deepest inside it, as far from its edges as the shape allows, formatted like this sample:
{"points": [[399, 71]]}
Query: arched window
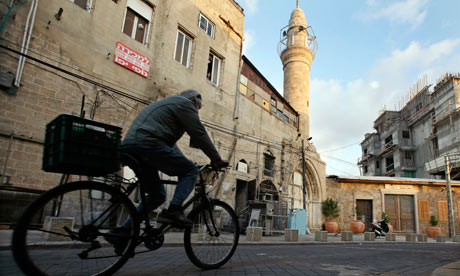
{"points": [[269, 167], [242, 166]]}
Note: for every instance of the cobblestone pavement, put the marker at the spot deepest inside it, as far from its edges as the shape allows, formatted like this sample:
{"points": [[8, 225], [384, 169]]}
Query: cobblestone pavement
{"points": [[294, 259]]}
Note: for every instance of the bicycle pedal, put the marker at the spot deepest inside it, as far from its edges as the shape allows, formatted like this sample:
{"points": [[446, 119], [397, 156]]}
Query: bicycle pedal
{"points": [[173, 223]]}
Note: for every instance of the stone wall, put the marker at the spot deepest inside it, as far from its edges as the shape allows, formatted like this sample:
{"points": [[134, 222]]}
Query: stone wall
{"points": [[348, 190]]}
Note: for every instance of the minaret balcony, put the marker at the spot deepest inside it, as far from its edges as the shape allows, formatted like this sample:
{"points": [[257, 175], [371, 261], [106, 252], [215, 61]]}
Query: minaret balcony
{"points": [[288, 36]]}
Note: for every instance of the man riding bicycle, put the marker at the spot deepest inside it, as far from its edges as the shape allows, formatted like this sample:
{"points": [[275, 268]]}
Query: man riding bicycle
{"points": [[152, 138]]}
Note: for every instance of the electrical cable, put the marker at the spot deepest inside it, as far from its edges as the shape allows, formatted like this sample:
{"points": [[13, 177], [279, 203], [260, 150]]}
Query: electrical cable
{"points": [[116, 91]]}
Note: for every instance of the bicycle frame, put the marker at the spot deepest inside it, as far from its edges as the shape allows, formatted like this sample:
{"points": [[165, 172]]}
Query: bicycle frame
{"points": [[199, 196]]}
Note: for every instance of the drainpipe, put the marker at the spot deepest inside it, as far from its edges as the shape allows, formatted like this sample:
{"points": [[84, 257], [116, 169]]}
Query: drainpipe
{"points": [[6, 158], [26, 41]]}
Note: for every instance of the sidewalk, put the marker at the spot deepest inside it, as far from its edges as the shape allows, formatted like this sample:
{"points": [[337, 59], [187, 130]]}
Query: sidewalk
{"points": [[176, 239]]}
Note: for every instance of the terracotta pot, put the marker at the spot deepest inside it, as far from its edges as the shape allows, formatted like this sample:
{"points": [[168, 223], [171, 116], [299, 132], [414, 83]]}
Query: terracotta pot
{"points": [[357, 226], [390, 227], [331, 226], [433, 231]]}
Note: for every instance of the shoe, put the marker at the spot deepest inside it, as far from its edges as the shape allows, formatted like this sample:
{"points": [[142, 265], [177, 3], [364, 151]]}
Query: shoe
{"points": [[119, 237], [175, 216]]}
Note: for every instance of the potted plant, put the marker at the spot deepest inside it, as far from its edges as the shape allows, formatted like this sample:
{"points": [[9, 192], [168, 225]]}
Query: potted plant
{"points": [[330, 210], [387, 221], [433, 230], [357, 226]]}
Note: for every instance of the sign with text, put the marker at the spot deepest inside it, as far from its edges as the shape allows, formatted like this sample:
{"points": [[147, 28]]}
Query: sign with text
{"points": [[132, 60]]}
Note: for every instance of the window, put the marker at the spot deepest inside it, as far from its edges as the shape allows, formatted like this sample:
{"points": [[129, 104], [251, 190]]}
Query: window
{"points": [[282, 116], [365, 169], [423, 210], [390, 164], [408, 155], [409, 174], [442, 210], [214, 64], [137, 20], [84, 4], [206, 25], [273, 105], [243, 84], [389, 140], [365, 152], [183, 51], [269, 167], [377, 164], [242, 166], [405, 134]]}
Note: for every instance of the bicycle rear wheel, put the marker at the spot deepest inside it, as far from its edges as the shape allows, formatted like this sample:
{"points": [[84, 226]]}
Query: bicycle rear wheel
{"points": [[63, 231], [211, 240]]}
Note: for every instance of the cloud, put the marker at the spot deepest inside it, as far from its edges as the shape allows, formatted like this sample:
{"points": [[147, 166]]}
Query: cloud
{"points": [[249, 41], [250, 6], [412, 12], [341, 113]]}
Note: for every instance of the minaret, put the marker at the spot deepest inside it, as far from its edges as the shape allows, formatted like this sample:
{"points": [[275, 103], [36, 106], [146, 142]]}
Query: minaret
{"points": [[297, 49]]}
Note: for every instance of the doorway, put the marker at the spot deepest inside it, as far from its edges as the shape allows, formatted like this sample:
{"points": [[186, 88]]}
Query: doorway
{"points": [[364, 212], [245, 191], [400, 209]]}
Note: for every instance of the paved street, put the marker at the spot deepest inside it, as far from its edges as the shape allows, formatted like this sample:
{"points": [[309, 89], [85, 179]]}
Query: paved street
{"points": [[295, 259]]}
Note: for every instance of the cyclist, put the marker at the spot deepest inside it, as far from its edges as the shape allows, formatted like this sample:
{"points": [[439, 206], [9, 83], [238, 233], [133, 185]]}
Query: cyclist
{"points": [[152, 137]]}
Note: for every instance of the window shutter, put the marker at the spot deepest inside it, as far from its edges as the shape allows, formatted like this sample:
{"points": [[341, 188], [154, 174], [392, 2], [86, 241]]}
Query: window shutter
{"points": [[129, 22], [423, 210], [442, 210]]}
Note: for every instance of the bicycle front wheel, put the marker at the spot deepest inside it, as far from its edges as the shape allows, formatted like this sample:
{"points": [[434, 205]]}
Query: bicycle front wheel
{"points": [[213, 237], [64, 231]]}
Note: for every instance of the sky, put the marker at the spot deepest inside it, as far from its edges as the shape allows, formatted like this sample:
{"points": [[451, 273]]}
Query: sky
{"points": [[370, 54]]}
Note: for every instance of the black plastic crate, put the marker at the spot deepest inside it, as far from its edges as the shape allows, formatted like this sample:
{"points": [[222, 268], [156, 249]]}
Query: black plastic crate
{"points": [[74, 145]]}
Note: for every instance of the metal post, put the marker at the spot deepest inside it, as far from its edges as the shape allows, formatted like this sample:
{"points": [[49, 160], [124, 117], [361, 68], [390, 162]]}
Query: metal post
{"points": [[303, 175], [449, 199]]}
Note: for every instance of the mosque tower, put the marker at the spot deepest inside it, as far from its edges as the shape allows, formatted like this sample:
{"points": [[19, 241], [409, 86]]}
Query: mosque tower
{"points": [[297, 49]]}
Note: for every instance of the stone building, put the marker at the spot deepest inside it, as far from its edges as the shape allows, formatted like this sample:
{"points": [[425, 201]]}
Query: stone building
{"points": [[408, 202], [414, 141], [109, 59]]}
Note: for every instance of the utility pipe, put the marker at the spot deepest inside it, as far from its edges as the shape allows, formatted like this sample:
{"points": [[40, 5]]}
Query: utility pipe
{"points": [[26, 41]]}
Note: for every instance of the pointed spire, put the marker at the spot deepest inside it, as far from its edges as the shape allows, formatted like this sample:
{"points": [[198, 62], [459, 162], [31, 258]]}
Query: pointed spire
{"points": [[297, 3]]}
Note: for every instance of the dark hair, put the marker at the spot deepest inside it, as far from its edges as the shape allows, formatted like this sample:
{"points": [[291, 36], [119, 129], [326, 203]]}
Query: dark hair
{"points": [[190, 93]]}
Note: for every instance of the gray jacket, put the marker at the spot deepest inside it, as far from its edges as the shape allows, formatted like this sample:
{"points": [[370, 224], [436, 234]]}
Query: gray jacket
{"points": [[164, 122]]}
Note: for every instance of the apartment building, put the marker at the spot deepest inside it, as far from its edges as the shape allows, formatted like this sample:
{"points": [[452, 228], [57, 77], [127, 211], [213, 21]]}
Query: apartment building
{"points": [[414, 141]]}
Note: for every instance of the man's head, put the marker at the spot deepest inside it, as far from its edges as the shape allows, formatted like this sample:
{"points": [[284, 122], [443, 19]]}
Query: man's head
{"points": [[192, 95]]}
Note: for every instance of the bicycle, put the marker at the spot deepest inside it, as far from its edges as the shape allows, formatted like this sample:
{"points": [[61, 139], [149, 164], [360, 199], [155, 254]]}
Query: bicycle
{"points": [[83, 214]]}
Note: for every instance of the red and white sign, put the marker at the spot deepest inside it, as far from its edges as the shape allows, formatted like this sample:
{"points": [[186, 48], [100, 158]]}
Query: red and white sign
{"points": [[132, 60]]}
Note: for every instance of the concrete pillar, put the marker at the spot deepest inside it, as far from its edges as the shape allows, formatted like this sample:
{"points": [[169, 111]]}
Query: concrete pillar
{"points": [[411, 237], [422, 238], [321, 236], [441, 238], [347, 236], [291, 234], [390, 237], [369, 236], [254, 233]]}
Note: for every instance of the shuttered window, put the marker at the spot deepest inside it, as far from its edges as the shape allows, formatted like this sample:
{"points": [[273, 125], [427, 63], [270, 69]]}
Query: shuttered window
{"points": [[423, 210], [442, 210]]}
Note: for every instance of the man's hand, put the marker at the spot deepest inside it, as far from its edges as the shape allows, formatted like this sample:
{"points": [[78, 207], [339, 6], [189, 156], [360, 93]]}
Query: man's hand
{"points": [[220, 164]]}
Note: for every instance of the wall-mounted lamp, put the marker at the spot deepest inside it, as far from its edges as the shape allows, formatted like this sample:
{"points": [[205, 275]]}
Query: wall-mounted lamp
{"points": [[58, 15]]}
